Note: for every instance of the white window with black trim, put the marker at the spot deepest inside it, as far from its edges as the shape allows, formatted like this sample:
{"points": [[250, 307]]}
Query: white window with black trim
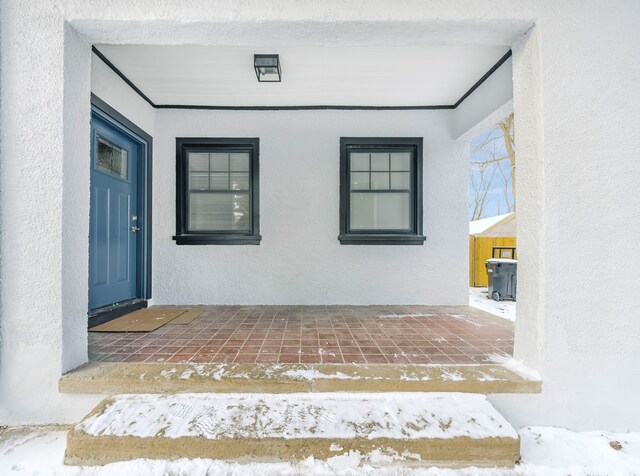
{"points": [[217, 191], [381, 191]]}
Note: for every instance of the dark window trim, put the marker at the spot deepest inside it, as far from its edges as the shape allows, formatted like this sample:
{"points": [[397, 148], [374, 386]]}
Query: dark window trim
{"points": [[381, 237], [144, 199], [492, 70], [183, 236]]}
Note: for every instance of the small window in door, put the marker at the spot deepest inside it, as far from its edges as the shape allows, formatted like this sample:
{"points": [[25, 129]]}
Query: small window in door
{"points": [[112, 159]]}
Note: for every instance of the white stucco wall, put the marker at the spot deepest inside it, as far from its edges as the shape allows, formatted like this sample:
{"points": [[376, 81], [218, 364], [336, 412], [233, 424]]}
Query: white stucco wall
{"points": [[300, 260], [491, 95], [44, 187], [577, 132], [577, 128], [109, 87]]}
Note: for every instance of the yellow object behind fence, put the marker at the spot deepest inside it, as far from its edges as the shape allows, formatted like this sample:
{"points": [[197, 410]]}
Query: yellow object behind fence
{"points": [[480, 250]]}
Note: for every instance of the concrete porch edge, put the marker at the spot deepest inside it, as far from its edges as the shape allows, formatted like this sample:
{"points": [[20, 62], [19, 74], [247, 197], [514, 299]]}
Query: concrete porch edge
{"points": [[137, 378]]}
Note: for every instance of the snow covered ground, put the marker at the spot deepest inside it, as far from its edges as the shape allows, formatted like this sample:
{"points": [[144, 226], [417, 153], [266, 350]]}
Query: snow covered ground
{"points": [[545, 452], [505, 309]]}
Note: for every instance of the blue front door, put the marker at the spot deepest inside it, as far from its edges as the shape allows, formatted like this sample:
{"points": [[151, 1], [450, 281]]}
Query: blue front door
{"points": [[114, 225]]}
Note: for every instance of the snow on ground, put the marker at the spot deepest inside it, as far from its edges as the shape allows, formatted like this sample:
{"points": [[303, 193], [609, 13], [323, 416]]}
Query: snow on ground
{"points": [[586, 453], [545, 452], [505, 309]]}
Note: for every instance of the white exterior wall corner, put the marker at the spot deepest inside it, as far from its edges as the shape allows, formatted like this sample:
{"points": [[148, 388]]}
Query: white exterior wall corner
{"points": [[530, 226], [75, 206], [300, 260], [584, 298], [43, 265]]}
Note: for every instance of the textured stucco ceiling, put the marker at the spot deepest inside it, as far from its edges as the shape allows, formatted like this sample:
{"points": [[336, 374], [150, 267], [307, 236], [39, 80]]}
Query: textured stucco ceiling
{"points": [[354, 76]]}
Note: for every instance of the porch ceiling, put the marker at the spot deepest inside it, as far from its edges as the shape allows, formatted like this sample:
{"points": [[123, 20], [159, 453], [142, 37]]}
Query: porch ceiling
{"points": [[350, 76]]}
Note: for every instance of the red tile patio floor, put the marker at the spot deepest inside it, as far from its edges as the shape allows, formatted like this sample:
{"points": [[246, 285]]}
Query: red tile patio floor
{"points": [[317, 334]]}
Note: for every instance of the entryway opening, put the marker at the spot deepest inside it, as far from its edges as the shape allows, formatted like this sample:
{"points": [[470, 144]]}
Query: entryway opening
{"points": [[493, 251], [119, 216], [447, 333]]}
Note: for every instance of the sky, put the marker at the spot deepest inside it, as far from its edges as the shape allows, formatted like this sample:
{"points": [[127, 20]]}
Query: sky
{"points": [[496, 148]]}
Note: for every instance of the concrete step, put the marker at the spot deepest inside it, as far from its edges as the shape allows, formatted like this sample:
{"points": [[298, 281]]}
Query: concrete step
{"points": [[113, 378], [431, 429]]}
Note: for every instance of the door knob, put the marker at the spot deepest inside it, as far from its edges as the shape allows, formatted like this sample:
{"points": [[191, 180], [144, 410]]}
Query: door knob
{"points": [[135, 229]]}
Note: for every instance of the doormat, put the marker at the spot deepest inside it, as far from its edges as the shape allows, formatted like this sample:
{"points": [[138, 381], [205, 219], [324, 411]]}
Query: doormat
{"points": [[142, 320], [187, 317]]}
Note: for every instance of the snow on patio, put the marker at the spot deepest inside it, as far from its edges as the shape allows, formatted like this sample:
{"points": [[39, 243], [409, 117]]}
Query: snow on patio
{"points": [[505, 309], [545, 452]]}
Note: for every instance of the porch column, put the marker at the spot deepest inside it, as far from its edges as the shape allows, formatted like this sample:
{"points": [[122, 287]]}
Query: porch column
{"points": [[45, 200], [577, 132]]}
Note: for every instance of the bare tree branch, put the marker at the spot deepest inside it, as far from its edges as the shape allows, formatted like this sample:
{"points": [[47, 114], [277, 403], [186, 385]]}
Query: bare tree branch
{"points": [[507, 129], [492, 146], [497, 159], [485, 142], [481, 186], [506, 180]]}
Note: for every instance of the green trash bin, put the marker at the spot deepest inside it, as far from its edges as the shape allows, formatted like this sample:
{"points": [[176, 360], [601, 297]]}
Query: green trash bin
{"points": [[502, 275]]}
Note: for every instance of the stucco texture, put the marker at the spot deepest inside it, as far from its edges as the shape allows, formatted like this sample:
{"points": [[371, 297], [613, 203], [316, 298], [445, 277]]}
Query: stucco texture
{"points": [[300, 260]]}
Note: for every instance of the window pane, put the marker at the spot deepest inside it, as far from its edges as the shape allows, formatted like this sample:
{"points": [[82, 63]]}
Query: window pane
{"points": [[380, 161], [240, 181], [359, 161], [112, 159], [218, 212], [219, 181], [219, 162], [401, 161], [239, 162], [400, 180], [380, 211], [198, 180], [379, 180], [359, 180], [198, 162]]}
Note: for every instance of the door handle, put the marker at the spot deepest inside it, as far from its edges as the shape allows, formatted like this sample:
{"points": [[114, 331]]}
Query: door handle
{"points": [[135, 229]]}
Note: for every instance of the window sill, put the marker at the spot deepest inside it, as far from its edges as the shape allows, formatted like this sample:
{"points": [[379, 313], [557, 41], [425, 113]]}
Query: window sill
{"points": [[217, 239], [381, 239]]}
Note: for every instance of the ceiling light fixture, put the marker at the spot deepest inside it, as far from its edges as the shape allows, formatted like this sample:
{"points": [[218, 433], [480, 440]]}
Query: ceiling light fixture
{"points": [[267, 68]]}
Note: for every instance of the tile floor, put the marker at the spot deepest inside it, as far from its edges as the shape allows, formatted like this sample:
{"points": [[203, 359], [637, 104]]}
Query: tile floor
{"points": [[317, 334]]}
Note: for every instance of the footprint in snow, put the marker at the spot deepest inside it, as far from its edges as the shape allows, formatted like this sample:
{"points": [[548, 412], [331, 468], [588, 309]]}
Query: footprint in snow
{"points": [[180, 410]]}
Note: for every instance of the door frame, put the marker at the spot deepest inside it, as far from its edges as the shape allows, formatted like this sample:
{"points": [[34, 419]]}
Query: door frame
{"points": [[144, 191]]}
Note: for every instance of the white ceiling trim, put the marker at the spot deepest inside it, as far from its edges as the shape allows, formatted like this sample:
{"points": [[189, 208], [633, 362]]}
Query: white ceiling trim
{"points": [[313, 77]]}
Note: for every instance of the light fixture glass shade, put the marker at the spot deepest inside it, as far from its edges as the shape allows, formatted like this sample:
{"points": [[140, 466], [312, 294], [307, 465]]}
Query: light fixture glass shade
{"points": [[267, 68]]}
